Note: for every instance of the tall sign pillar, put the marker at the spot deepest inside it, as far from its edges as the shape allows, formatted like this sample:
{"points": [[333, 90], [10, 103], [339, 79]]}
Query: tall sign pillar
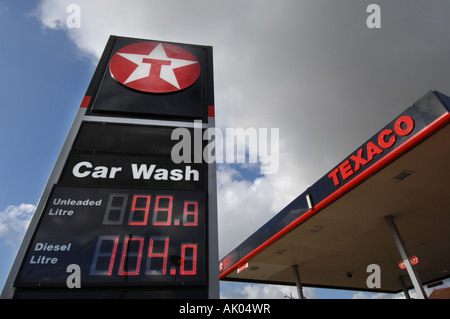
{"points": [[119, 217]]}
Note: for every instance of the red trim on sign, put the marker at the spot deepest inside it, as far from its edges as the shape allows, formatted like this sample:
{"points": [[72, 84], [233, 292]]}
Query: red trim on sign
{"points": [[393, 155], [85, 101], [211, 111]]}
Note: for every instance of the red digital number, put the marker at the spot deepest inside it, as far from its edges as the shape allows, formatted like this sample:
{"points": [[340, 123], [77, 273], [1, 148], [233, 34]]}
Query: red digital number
{"points": [[164, 254], [104, 250], [135, 209], [126, 255], [192, 258], [162, 216], [113, 256], [193, 213]]}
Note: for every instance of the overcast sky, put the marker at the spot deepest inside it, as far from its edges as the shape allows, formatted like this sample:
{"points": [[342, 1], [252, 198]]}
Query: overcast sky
{"points": [[311, 68]]}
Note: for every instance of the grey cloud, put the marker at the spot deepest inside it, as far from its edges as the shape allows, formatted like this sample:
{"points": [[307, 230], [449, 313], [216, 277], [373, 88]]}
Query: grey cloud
{"points": [[311, 68]]}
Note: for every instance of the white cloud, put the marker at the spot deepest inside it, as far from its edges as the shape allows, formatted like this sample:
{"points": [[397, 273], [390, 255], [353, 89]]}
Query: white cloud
{"points": [[360, 295], [367, 295], [242, 205], [245, 205], [230, 290], [52, 13], [14, 221]]}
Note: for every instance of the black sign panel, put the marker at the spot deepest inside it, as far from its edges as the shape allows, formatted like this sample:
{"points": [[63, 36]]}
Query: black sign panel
{"points": [[123, 212], [119, 237], [155, 79], [118, 155], [133, 171], [101, 138]]}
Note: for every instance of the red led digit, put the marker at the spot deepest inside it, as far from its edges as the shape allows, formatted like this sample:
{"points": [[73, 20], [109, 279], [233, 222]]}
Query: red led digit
{"points": [[113, 256], [163, 255], [192, 258], [142, 209], [103, 252], [187, 213], [162, 216], [126, 255]]}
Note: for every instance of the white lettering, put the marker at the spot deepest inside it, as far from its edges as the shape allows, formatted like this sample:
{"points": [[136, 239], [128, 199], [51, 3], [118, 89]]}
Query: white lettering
{"points": [[74, 19], [82, 169], [240, 135], [194, 173], [60, 212], [176, 175], [74, 279], [196, 309], [181, 152], [269, 163], [161, 174], [239, 144], [76, 169], [373, 20], [47, 247], [374, 279], [142, 171], [42, 260]]}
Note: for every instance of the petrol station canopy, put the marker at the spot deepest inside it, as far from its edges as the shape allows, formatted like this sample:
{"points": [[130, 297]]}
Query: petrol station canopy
{"points": [[335, 229]]}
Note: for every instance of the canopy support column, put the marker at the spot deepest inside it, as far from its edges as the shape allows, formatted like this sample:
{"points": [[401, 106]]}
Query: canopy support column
{"points": [[299, 283], [405, 256], [405, 290]]}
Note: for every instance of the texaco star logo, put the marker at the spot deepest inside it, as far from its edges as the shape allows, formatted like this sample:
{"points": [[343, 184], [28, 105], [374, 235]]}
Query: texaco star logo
{"points": [[154, 67]]}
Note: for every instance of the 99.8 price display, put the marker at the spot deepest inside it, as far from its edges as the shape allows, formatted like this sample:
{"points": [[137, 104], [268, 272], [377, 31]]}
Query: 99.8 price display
{"points": [[119, 237]]}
